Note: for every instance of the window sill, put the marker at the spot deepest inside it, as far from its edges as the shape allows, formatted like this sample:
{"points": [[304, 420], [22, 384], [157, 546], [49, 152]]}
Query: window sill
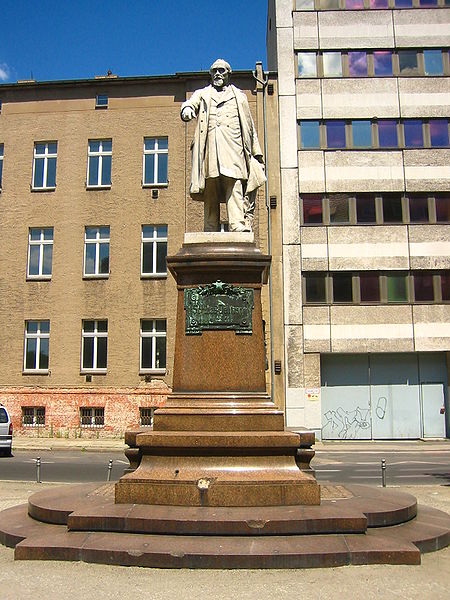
{"points": [[153, 275], [43, 189], [93, 372], [39, 277], [36, 372], [96, 276], [152, 371], [155, 185], [98, 187]]}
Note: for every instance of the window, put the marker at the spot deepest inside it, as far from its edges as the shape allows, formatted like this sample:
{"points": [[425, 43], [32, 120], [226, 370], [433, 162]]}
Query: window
{"points": [[365, 209], [423, 287], [92, 417], [335, 134], [339, 208], [44, 166], [332, 64], [445, 287], [342, 287], [418, 209], [413, 129], [99, 163], [307, 64], [396, 288], [362, 134], [153, 345], [146, 417], [438, 132], [407, 62], [312, 208], [33, 416], [94, 348], [315, 287], [357, 64], [354, 4], [40, 252], [369, 287], [433, 62], [403, 3], [101, 101], [1, 164], [37, 337], [154, 250], [382, 62], [379, 3], [156, 155], [96, 251], [392, 209], [387, 134], [310, 134], [442, 208]]}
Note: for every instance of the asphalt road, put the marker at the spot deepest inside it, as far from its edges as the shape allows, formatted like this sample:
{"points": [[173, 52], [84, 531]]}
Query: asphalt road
{"points": [[403, 467]]}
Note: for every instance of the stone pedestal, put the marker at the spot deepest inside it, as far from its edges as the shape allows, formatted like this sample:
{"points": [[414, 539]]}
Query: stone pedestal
{"points": [[219, 440]]}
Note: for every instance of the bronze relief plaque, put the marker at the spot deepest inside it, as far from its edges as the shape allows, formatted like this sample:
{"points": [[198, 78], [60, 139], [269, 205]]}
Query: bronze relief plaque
{"points": [[218, 306]]}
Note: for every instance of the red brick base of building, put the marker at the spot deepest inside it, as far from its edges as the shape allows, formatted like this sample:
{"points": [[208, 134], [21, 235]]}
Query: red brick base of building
{"points": [[62, 412]]}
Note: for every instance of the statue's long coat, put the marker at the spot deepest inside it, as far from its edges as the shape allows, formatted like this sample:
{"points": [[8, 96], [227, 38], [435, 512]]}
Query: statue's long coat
{"points": [[200, 102]]}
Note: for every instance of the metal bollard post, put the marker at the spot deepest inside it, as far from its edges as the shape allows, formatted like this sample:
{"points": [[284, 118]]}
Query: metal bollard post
{"points": [[110, 465], [383, 472], [38, 469]]}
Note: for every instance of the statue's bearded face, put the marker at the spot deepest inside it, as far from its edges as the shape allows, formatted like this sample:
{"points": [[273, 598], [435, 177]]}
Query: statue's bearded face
{"points": [[219, 76]]}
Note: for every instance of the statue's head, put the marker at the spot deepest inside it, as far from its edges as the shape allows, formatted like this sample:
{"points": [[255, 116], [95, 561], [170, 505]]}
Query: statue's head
{"points": [[220, 73]]}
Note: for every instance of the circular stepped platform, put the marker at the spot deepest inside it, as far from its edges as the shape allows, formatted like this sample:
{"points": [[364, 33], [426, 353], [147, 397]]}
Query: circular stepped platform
{"points": [[354, 524]]}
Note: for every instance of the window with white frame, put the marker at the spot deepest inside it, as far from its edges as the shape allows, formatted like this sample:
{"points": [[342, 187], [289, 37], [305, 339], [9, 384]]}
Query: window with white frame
{"points": [[92, 417], [146, 416], [96, 251], [156, 154], [94, 347], [1, 164], [33, 416], [44, 165], [154, 250], [37, 337], [40, 252], [99, 163], [153, 345]]}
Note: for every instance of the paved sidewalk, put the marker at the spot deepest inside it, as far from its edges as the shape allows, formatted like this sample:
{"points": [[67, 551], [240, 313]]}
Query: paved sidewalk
{"points": [[28, 580]]}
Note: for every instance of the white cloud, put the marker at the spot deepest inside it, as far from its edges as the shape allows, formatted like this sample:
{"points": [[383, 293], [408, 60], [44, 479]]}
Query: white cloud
{"points": [[4, 72]]}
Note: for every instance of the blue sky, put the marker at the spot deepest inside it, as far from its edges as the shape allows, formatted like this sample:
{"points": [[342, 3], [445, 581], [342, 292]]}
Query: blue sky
{"points": [[72, 39]]}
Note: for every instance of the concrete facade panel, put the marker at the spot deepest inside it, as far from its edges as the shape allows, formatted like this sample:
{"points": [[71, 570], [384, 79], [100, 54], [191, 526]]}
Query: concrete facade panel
{"points": [[421, 97], [290, 206], [306, 35], [356, 29], [314, 249], [421, 27], [427, 171], [311, 171], [288, 134], [364, 171], [286, 63], [292, 283], [294, 348], [309, 99], [360, 98]]}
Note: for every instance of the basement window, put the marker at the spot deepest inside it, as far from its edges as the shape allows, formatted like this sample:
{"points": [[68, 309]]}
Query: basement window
{"points": [[101, 101]]}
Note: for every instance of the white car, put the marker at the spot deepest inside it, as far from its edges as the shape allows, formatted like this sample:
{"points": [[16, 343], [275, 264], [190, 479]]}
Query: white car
{"points": [[6, 430]]}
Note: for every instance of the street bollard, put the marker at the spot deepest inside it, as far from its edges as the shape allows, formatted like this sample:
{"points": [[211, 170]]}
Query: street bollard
{"points": [[110, 465], [38, 469], [383, 472]]}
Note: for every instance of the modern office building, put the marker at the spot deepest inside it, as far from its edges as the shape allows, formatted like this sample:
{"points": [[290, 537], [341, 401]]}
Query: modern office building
{"points": [[364, 107], [94, 194]]}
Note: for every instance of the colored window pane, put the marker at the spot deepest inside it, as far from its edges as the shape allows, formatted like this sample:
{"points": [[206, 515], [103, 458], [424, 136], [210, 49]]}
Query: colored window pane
{"points": [[365, 209], [312, 209], [369, 287], [433, 62], [332, 64], [428, 2], [354, 4], [329, 3], [339, 209], [304, 4], [387, 134], [382, 62], [439, 132], [392, 209], [418, 209], [362, 134], [396, 288], [413, 133], [310, 134], [342, 287], [407, 60], [357, 64], [379, 3], [335, 134], [315, 288], [307, 64], [403, 3], [442, 208], [445, 286], [423, 287]]}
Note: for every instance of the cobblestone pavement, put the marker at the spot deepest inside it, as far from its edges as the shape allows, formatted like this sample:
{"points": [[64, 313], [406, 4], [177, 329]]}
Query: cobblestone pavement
{"points": [[23, 580]]}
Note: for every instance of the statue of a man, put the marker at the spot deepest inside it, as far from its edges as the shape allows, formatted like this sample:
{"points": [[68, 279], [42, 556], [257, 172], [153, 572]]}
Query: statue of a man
{"points": [[227, 162]]}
